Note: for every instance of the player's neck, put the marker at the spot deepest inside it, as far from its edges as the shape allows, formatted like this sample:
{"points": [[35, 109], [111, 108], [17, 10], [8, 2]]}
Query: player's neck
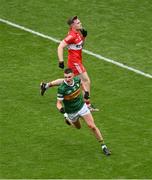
{"points": [[76, 30], [70, 83]]}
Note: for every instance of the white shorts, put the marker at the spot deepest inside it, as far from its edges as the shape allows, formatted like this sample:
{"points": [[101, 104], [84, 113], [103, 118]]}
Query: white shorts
{"points": [[75, 116]]}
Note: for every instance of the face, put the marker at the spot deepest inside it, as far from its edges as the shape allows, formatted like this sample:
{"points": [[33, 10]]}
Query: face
{"points": [[69, 78], [77, 24]]}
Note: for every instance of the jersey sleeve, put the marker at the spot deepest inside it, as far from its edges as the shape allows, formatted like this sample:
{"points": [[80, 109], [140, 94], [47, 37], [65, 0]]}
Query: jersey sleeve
{"points": [[60, 94], [69, 39]]}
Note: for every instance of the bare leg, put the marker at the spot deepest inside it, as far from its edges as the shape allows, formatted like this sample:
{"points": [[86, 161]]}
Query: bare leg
{"points": [[86, 87], [90, 122], [77, 124], [85, 81]]}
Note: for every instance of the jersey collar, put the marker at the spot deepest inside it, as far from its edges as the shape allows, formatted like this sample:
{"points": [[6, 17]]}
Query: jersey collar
{"points": [[68, 84]]}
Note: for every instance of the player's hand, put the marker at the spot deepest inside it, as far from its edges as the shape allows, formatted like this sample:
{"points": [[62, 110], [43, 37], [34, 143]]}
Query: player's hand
{"points": [[62, 111], [84, 32], [61, 64]]}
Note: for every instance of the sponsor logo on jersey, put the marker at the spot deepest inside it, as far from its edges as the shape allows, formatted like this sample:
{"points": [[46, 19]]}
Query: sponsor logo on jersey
{"points": [[77, 46]]}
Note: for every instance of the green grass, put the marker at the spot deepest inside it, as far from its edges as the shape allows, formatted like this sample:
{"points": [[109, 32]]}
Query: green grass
{"points": [[34, 141]]}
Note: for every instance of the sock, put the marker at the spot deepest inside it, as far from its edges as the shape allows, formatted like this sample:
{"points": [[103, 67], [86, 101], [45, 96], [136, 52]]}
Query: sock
{"points": [[103, 146]]}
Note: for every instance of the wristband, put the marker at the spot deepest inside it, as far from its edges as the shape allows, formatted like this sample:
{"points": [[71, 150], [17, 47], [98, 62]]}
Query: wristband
{"points": [[62, 110], [61, 64], [86, 95]]}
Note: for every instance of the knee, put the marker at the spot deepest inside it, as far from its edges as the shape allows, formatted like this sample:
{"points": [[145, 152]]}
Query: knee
{"points": [[87, 80], [92, 127]]}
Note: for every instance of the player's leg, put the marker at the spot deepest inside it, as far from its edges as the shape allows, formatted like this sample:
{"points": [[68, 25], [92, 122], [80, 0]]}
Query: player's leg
{"points": [[86, 83], [85, 80], [90, 122], [77, 124], [86, 86], [80, 71], [88, 118], [74, 120], [44, 86]]}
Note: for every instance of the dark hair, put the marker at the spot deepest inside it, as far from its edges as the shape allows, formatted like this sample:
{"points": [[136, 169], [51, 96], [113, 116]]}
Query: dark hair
{"points": [[71, 20], [68, 70]]}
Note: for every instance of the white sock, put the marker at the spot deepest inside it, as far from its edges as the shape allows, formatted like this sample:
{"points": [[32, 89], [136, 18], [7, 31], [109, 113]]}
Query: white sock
{"points": [[104, 146]]}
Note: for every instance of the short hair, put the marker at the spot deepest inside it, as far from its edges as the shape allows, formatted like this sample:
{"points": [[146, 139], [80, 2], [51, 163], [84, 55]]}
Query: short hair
{"points": [[71, 20], [68, 71]]}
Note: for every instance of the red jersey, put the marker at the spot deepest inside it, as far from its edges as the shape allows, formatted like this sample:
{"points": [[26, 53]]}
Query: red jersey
{"points": [[75, 43]]}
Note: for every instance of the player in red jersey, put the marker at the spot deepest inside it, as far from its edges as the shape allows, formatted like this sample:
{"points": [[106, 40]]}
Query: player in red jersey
{"points": [[74, 41]]}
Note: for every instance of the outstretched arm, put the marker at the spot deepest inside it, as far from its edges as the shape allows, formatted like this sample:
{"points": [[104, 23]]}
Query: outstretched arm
{"points": [[56, 82]]}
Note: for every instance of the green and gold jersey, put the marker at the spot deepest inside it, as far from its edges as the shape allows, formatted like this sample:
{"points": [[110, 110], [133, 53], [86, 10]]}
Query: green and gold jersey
{"points": [[71, 95]]}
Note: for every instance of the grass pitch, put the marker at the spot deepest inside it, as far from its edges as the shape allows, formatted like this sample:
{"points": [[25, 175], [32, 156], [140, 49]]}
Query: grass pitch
{"points": [[34, 141]]}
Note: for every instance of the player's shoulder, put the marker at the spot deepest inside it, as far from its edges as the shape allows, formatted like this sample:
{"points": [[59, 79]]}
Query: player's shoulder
{"points": [[77, 79], [72, 33], [69, 38], [61, 87]]}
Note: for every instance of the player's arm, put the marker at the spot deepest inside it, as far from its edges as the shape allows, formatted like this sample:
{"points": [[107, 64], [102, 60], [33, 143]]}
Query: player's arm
{"points": [[62, 111], [59, 106], [61, 47], [64, 43], [60, 98], [56, 82], [44, 86]]}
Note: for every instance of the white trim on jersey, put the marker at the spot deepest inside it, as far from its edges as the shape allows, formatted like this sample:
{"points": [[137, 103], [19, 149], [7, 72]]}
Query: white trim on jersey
{"points": [[77, 46], [69, 84], [60, 99]]}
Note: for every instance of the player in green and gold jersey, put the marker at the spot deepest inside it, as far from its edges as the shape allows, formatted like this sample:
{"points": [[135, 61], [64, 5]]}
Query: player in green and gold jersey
{"points": [[70, 102], [71, 95]]}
